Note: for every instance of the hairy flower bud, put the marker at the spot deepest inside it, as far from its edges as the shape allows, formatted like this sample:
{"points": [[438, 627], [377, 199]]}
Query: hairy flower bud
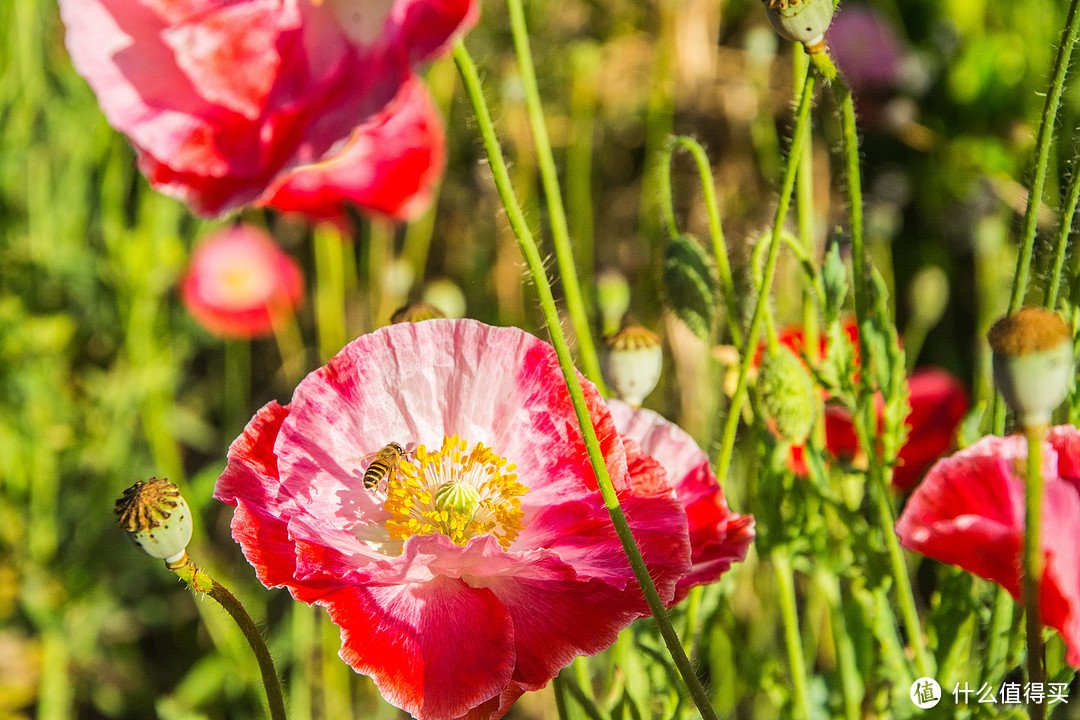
{"points": [[787, 395], [633, 360], [1033, 363], [156, 518], [803, 21]]}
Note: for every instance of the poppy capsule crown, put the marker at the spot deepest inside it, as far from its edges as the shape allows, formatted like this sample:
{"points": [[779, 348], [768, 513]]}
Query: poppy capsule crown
{"points": [[803, 21], [1033, 363]]}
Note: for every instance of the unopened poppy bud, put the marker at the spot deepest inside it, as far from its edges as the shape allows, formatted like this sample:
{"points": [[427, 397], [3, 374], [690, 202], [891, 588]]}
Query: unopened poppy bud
{"points": [[787, 395], [155, 517], [633, 360], [613, 298], [803, 21], [928, 294], [416, 312], [1033, 363]]}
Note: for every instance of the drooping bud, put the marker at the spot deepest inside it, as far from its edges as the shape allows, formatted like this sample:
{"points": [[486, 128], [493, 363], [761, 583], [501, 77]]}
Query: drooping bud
{"points": [[787, 395], [156, 518], [803, 21], [633, 359], [460, 497], [1033, 363], [690, 287], [416, 312]]}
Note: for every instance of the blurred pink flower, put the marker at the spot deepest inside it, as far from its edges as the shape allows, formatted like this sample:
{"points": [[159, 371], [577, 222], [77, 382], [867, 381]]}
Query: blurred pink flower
{"points": [[220, 97], [866, 48], [390, 166], [969, 511], [486, 561], [718, 537], [239, 282]]}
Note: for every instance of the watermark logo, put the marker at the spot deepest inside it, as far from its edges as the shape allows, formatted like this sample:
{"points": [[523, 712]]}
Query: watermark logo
{"points": [[925, 693]]}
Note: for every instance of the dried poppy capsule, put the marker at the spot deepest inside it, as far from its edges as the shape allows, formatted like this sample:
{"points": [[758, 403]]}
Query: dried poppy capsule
{"points": [[803, 21], [1033, 362], [156, 518]]}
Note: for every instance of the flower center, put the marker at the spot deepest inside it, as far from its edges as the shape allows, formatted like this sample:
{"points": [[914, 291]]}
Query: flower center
{"points": [[457, 493]]}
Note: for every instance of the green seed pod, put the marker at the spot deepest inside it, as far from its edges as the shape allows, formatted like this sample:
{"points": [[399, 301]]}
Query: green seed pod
{"points": [[156, 518], [1033, 363], [459, 497], [633, 360], [613, 297], [803, 21], [690, 288], [787, 395]]}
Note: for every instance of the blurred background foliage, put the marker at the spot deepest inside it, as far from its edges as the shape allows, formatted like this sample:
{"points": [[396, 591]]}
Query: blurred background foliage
{"points": [[105, 379]]}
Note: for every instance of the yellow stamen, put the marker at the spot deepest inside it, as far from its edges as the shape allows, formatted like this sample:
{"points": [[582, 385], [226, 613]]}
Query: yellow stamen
{"points": [[456, 492]]}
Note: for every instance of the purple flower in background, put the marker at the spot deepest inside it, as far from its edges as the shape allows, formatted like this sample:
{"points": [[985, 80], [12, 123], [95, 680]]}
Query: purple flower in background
{"points": [[866, 48]]}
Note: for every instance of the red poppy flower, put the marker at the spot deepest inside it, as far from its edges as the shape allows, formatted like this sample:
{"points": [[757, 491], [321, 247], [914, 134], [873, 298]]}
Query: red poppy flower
{"points": [[220, 97], [969, 511], [239, 282], [718, 537], [476, 566], [390, 165], [938, 404]]}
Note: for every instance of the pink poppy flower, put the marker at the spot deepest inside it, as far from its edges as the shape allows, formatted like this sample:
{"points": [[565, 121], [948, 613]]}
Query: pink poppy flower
{"points": [[938, 404], [969, 511], [389, 167], [484, 560], [239, 283], [220, 97], [718, 537]]}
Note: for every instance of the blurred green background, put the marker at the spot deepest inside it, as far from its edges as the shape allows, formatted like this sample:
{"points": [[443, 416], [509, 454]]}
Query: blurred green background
{"points": [[105, 379]]}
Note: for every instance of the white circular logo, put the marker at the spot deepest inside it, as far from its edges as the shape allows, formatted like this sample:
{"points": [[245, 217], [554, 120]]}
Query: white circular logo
{"points": [[925, 693]]}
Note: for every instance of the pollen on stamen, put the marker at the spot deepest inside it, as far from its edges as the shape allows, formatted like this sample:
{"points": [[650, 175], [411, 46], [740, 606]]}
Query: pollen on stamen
{"points": [[455, 491]]}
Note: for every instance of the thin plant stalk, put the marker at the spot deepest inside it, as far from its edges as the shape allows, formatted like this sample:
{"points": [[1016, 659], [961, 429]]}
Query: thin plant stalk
{"points": [[802, 128], [560, 233], [785, 586], [879, 473], [201, 582], [1033, 561], [1061, 243], [534, 262], [329, 291], [712, 209]]}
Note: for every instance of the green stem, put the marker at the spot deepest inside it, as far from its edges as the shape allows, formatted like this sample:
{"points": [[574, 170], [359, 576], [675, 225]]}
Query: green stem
{"points": [[851, 685], [201, 582], [802, 128], [535, 265], [560, 233], [560, 698], [1042, 155], [716, 229], [1033, 561], [583, 700], [1061, 244], [329, 291], [785, 586]]}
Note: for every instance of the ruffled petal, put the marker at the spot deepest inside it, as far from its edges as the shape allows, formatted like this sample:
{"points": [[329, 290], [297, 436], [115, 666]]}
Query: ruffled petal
{"points": [[435, 649]]}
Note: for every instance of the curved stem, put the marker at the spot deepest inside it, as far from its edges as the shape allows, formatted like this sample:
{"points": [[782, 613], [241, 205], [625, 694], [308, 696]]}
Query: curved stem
{"points": [[560, 233], [1033, 561], [535, 265], [716, 229], [802, 127], [1042, 155], [199, 581]]}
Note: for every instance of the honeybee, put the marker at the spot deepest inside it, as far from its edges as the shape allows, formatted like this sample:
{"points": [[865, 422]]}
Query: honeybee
{"points": [[385, 462]]}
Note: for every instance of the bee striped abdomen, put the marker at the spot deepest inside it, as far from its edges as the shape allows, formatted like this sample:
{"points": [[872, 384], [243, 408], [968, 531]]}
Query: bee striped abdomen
{"points": [[384, 463]]}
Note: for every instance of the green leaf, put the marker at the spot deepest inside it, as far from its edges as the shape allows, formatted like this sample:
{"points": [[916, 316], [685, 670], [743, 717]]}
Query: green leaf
{"points": [[834, 278]]}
